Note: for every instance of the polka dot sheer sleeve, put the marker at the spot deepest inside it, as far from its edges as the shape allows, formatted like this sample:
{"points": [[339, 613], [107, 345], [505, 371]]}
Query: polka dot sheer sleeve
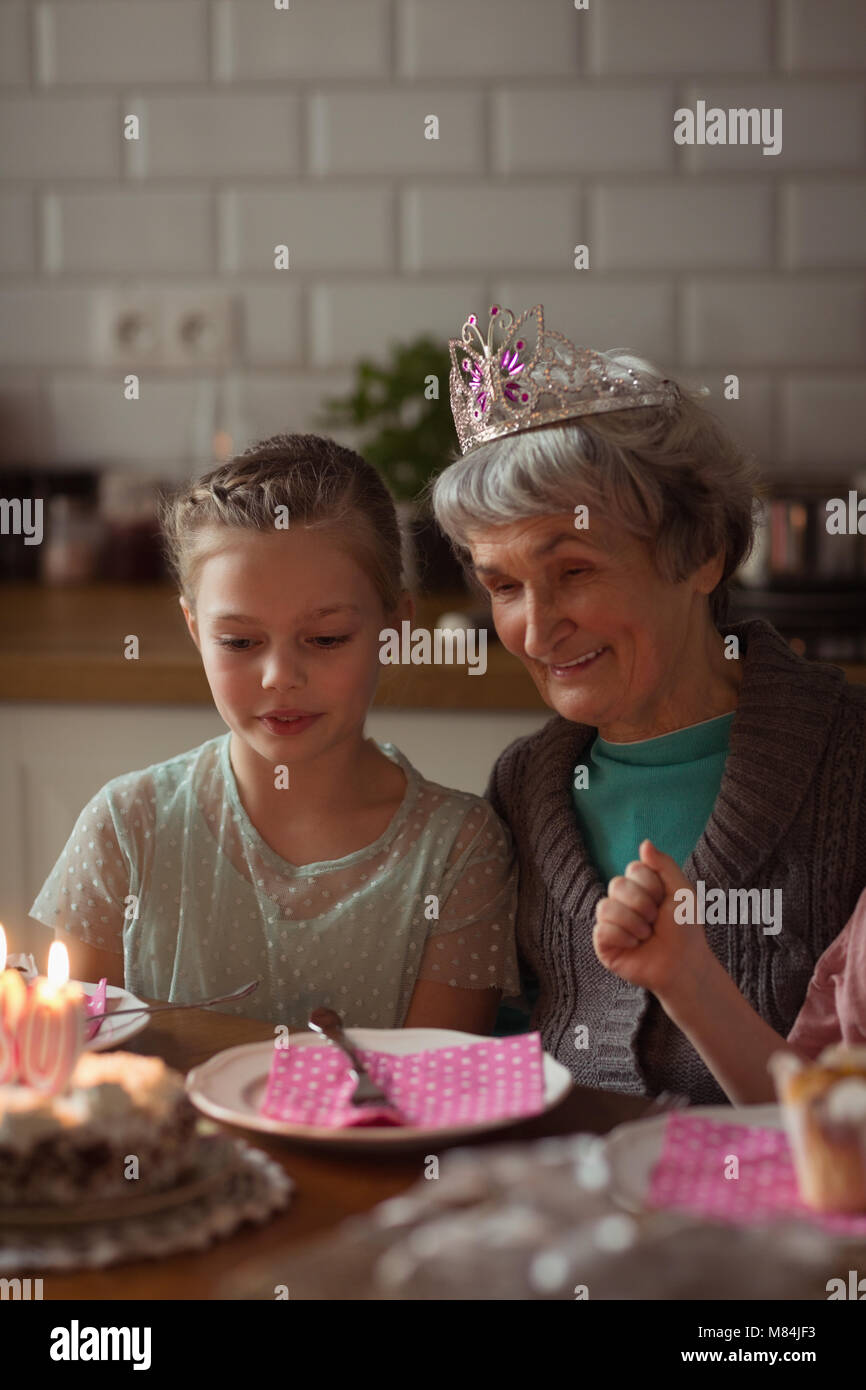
{"points": [[471, 944], [86, 893]]}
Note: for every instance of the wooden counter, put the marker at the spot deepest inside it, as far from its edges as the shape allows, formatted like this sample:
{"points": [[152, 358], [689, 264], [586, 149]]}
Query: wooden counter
{"points": [[66, 645]]}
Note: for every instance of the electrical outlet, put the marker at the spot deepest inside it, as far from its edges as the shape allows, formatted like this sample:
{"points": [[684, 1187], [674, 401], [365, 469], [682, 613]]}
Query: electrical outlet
{"points": [[164, 328], [129, 328], [198, 328]]}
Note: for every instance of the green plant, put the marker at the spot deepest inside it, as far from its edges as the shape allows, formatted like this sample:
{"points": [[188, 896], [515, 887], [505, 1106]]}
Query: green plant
{"points": [[404, 433]]}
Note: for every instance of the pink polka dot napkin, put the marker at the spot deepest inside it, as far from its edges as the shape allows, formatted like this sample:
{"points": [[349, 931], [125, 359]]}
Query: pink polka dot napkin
{"points": [[95, 1003], [495, 1078], [697, 1154]]}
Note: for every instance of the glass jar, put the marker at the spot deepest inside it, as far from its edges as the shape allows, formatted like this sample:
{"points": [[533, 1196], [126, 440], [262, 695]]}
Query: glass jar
{"points": [[133, 548], [71, 549]]}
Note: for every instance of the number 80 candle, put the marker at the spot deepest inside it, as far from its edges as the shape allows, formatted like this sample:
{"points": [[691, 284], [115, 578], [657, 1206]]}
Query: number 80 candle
{"points": [[13, 996], [51, 1026]]}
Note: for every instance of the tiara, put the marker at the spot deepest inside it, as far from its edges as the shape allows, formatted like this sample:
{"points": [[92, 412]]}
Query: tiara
{"points": [[524, 375]]}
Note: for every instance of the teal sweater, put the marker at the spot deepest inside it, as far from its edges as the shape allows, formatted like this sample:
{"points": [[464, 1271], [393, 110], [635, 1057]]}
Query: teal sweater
{"points": [[662, 789]]}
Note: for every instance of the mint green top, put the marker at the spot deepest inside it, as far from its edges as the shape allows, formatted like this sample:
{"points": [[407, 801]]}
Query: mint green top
{"points": [[165, 867], [662, 789]]}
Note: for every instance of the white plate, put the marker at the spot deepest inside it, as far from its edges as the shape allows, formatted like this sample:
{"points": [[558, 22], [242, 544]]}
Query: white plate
{"points": [[635, 1148], [115, 1031], [231, 1087]]}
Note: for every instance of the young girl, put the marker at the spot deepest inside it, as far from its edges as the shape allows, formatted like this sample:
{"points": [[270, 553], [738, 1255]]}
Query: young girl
{"points": [[638, 938], [292, 848]]}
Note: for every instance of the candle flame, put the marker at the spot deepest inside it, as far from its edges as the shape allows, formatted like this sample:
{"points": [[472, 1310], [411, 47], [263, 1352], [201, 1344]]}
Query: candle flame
{"points": [[58, 964], [2, 947]]}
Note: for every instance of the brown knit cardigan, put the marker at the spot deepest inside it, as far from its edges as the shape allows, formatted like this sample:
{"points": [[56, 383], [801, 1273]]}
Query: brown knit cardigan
{"points": [[790, 814]]}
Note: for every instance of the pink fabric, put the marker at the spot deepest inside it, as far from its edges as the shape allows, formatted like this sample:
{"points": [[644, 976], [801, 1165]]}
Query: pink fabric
{"points": [[834, 1009], [492, 1079], [95, 1004], [690, 1175]]}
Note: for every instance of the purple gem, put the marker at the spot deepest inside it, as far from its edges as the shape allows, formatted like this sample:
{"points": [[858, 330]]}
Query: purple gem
{"points": [[524, 397], [471, 318], [520, 344], [494, 309]]}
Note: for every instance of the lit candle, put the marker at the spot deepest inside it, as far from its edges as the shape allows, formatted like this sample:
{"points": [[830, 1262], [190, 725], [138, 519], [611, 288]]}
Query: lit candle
{"points": [[13, 996], [51, 1030]]}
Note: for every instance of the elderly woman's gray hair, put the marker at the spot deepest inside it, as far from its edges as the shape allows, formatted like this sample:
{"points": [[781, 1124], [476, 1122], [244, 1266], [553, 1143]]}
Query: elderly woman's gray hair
{"points": [[670, 475]]}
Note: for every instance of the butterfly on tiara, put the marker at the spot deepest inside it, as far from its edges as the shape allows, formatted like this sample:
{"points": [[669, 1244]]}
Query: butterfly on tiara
{"points": [[491, 376]]}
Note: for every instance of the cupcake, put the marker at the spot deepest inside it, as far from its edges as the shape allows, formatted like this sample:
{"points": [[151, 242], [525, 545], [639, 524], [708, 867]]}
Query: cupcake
{"points": [[824, 1106]]}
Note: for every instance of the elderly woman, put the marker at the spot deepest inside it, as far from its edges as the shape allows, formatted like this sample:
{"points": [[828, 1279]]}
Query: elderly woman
{"points": [[604, 511]]}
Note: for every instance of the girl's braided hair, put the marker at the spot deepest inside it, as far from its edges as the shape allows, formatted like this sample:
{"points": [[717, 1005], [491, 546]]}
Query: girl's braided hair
{"points": [[320, 483]]}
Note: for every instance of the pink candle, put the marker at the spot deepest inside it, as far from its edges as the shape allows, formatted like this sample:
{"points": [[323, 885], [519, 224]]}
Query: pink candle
{"points": [[13, 995], [51, 1029]]}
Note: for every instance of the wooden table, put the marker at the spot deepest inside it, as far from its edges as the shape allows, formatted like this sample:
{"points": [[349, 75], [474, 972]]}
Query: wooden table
{"points": [[329, 1187]]}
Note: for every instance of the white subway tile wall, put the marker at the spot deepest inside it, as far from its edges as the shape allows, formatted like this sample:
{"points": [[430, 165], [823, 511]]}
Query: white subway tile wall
{"points": [[818, 408], [829, 35], [452, 227], [584, 127], [14, 44], [167, 418], [127, 231], [213, 136], [823, 124], [326, 227], [18, 245], [91, 41], [355, 318], [793, 320], [720, 224], [422, 159], [824, 223], [682, 36]]}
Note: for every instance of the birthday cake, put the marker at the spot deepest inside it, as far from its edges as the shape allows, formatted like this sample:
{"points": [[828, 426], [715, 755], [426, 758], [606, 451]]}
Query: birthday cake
{"points": [[123, 1125]]}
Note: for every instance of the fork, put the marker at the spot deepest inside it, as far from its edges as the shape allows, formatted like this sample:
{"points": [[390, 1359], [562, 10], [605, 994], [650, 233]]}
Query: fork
{"points": [[328, 1023], [198, 1004]]}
